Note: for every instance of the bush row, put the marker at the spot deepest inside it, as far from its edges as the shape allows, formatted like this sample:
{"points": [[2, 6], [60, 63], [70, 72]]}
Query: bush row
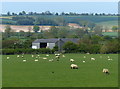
{"points": [[27, 51]]}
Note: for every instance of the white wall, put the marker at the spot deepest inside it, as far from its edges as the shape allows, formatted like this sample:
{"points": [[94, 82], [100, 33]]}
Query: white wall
{"points": [[50, 45], [35, 45]]}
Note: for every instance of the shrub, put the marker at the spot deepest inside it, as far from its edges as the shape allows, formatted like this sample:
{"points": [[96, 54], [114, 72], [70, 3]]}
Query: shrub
{"points": [[70, 47], [26, 51]]}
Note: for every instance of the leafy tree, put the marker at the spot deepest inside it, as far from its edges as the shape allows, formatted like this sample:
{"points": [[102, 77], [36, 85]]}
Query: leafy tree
{"points": [[29, 32], [36, 28], [54, 31], [20, 13], [8, 31], [8, 13], [96, 39], [115, 28], [95, 48], [83, 48], [98, 30], [104, 49], [70, 47], [80, 32], [23, 13], [62, 33]]}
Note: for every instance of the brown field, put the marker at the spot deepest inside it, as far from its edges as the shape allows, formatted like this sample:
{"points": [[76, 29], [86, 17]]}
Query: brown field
{"points": [[17, 28]]}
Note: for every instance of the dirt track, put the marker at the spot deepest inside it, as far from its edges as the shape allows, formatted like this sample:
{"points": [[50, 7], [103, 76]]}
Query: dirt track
{"points": [[16, 28]]}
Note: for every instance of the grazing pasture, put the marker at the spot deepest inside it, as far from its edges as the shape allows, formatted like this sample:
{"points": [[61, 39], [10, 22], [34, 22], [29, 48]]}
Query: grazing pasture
{"points": [[45, 73]]}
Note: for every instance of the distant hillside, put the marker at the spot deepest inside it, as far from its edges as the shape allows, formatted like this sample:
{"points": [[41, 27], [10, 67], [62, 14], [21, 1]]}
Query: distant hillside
{"points": [[109, 24], [57, 20]]}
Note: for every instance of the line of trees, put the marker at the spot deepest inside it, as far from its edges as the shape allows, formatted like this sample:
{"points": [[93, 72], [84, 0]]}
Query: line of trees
{"points": [[111, 46], [54, 32], [57, 14]]}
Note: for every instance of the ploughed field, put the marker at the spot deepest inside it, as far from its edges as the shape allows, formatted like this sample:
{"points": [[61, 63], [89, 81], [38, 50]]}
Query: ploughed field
{"points": [[26, 72]]}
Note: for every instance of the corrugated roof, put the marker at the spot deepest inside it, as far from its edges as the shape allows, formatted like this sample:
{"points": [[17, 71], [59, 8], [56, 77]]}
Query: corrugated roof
{"points": [[45, 41], [74, 40], [55, 40]]}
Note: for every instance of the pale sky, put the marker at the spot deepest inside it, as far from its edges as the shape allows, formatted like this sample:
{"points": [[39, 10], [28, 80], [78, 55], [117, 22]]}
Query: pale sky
{"points": [[78, 6], [59, 0]]}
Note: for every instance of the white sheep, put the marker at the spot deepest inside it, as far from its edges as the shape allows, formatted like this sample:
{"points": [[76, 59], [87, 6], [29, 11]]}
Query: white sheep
{"points": [[47, 55], [24, 60], [83, 61], [51, 60], [36, 59], [105, 71], [8, 57], [57, 57], [84, 56], [74, 66], [32, 55], [63, 55], [72, 60], [108, 57], [92, 58], [18, 56], [22, 56], [56, 54], [44, 58]]}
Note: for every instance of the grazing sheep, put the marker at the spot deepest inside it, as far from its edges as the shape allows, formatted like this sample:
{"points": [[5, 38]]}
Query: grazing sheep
{"points": [[8, 57], [106, 71], [83, 61], [56, 54], [38, 55], [18, 56], [92, 58], [44, 58], [63, 55], [84, 56], [51, 60], [24, 60], [22, 56], [47, 55], [74, 66], [72, 60], [57, 57], [36, 59], [32, 55], [109, 59]]}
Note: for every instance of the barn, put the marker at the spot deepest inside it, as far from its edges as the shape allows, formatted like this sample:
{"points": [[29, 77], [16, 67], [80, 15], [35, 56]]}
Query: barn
{"points": [[50, 43]]}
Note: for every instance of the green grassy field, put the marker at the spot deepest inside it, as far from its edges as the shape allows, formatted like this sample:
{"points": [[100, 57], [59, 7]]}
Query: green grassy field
{"points": [[17, 73], [108, 24], [112, 34]]}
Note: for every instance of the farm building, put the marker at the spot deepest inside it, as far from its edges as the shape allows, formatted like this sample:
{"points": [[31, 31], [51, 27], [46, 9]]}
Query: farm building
{"points": [[50, 43]]}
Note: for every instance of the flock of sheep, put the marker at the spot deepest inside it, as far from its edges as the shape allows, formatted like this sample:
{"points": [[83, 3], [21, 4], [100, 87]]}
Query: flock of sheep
{"points": [[57, 57]]}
